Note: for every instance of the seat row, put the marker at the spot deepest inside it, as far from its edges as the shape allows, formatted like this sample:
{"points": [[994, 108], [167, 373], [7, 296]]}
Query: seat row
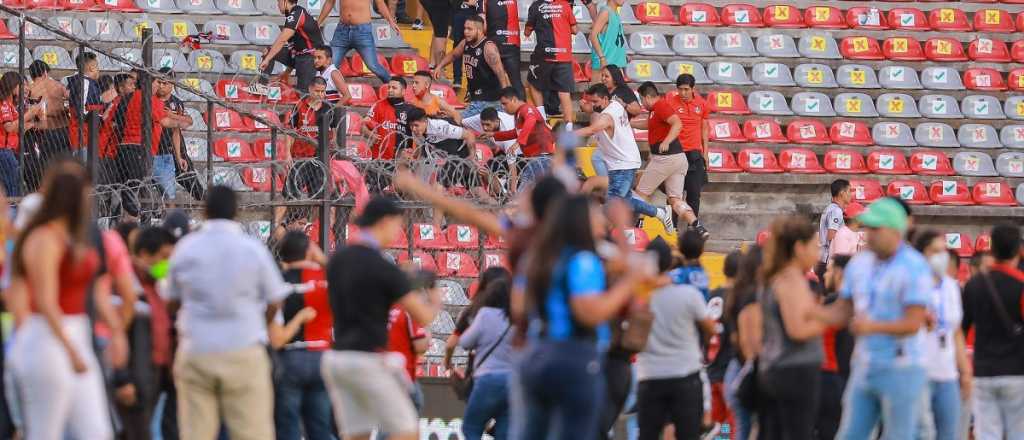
{"points": [[188, 7]]}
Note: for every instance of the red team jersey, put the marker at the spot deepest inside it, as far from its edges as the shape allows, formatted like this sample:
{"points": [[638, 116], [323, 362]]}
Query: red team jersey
{"points": [[552, 20], [502, 17], [8, 113], [402, 331], [534, 137]]}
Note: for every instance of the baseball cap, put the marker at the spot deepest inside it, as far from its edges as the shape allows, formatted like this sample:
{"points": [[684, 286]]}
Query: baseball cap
{"points": [[853, 210], [376, 209], [884, 213], [177, 223]]}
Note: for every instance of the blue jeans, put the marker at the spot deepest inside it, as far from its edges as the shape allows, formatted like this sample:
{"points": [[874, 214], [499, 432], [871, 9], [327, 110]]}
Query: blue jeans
{"points": [[999, 407], [561, 391], [742, 415], [945, 409], [163, 172], [10, 174], [620, 184], [489, 400], [892, 394], [360, 38], [474, 108], [301, 396], [533, 169]]}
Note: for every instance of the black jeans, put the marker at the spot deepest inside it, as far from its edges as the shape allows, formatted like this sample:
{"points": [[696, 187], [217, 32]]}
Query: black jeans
{"points": [[696, 177], [44, 146], [831, 408], [510, 62], [618, 377], [678, 400], [132, 166], [789, 404], [301, 64], [145, 376]]}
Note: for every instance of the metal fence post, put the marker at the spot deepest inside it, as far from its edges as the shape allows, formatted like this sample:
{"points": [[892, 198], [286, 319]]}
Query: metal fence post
{"points": [[146, 86], [322, 140], [273, 160], [209, 143], [92, 160], [21, 106], [80, 114]]}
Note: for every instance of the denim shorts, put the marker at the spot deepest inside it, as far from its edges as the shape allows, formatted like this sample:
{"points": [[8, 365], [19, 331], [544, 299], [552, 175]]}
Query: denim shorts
{"points": [[163, 172]]}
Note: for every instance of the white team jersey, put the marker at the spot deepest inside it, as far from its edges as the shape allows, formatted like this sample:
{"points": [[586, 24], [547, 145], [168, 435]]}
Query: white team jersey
{"points": [[332, 90], [620, 151]]}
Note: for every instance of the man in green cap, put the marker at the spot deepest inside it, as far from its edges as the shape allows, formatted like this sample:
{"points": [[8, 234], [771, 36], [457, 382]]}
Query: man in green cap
{"points": [[884, 299]]}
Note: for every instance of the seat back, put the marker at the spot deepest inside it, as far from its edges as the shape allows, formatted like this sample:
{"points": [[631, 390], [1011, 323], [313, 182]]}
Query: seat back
{"points": [[903, 49], [721, 160], [193, 83], [819, 46], [159, 6], [408, 63], [462, 236], [649, 43], [981, 107], [993, 194], [950, 192], [960, 243], [812, 104], [972, 163], [655, 13], [861, 48], [839, 161], [741, 15], [941, 78], [860, 17], [850, 133], [807, 131], [728, 73], [261, 32], [783, 16], [227, 120], [936, 134], [815, 76], [944, 49], [694, 68], [735, 44], [993, 20], [909, 190], [887, 161], [824, 17], [930, 163], [246, 61], [646, 70], [758, 160], [1012, 136], [978, 136], [897, 105], [777, 46], [692, 44], [865, 190], [949, 20], [908, 19], [57, 57], [899, 77], [769, 102], [235, 90], [172, 58], [800, 161], [763, 130], [728, 102], [240, 7], [856, 76], [1014, 107], [177, 29], [104, 29], [232, 149], [988, 50], [698, 14], [892, 134], [772, 74], [725, 130], [855, 105], [208, 61], [983, 78], [940, 107]]}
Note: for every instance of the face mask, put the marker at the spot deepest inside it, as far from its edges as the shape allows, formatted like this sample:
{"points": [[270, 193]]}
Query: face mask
{"points": [[396, 101], [598, 109], [939, 262], [159, 270]]}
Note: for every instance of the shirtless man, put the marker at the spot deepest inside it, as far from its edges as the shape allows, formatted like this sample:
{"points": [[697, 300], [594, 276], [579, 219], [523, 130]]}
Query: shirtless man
{"points": [[356, 32], [50, 132]]}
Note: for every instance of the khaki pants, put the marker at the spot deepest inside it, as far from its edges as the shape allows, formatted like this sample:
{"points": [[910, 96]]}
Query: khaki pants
{"points": [[670, 169], [234, 386]]}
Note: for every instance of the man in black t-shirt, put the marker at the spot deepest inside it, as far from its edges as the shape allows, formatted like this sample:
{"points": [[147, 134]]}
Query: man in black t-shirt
{"points": [[294, 48], [369, 387], [169, 156]]}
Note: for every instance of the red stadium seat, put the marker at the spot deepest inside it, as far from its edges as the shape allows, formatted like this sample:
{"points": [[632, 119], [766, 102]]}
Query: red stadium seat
{"points": [[233, 149], [988, 50], [581, 72], [931, 163], [5, 34], [285, 94], [887, 161], [462, 236], [420, 260], [80, 5], [636, 237], [741, 15], [865, 190], [861, 48], [655, 13], [783, 17], [908, 19], [860, 17], [456, 264], [261, 148], [994, 194], [850, 133], [14, 4], [903, 49], [729, 102], [235, 90], [983, 78], [824, 17], [363, 95], [949, 20], [495, 242], [807, 131], [1015, 80], [950, 192], [800, 161], [482, 154], [46, 5], [725, 130], [1020, 22], [845, 162], [763, 130], [267, 115], [911, 191], [428, 236], [353, 121], [944, 49], [119, 6], [356, 66], [983, 243], [408, 63], [690, 14], [227, 120], [758, 160], [313, 231], [721, 160], [258, 179], [1017, 51], [993, 20], [960, 243], [496, 259], [447, 93], [357, 148]]}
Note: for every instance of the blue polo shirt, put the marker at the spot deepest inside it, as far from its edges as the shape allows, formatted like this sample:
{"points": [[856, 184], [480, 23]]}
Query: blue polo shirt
{"points": [[578, 273], [692, 275]]}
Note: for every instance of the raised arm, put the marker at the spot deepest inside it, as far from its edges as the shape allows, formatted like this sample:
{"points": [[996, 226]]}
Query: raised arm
{"points": [[493, 58], [599, 122], [463, 211]]}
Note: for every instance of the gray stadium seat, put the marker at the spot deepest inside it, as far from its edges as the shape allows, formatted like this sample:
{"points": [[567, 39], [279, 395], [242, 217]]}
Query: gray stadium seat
{"points": [[777, 46], [198, 7], [940, 107], [972, 163], [1010, 164], [1014, 107], [814, 76], [67, 24], [941, 78], [107, 64], [201, 84], [384, 36], [526, 44], [978, 136], [158, 6], [580, 44], [936, 135], [982, 107], [626, 15], [1012, 136], [208, 61], [892, 134], [9, 56], [228, 176], [812, 104], [734, 44], [855, 105], [897, 105], [819, 46], [246, 61], [694, 68], [725, 72], [106, 29], [767, 102], [177, 28], [133, 30], [129, 53], [581, 13], [443, 324], [453, 293], [693, 44], [269, 7], [195, 146], [259, 229], [228, 29], [238, 7], [772, 74], [1020, 194], [262, 33], [32, 31], [649, 43], [198, 123], [57, 57], [899, 77], [315, 6], [857, 76], [172, 58], [646, 70]]}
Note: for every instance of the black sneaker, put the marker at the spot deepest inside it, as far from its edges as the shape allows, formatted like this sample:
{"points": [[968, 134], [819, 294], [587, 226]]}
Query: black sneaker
{"points": [[417, 25], [699, 227]]}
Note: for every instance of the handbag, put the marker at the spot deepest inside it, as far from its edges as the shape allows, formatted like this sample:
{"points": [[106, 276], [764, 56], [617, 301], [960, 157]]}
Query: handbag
{"points": [[463, 386], [745, 384], [635, 329]]}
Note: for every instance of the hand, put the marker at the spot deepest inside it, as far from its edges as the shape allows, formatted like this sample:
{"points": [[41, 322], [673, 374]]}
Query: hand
{"points": [[117, 352], [405, 180], [966, 386], [77, 362], [306, 314], [485, 136], [394, 27], [862, 326], [930, 321], [436, 73], [126, 395], [264, 64], [664, 146], [183, 164]]}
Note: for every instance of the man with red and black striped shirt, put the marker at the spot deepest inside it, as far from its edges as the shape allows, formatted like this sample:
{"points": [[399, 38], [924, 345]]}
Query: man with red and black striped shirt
{"points": [[502, 19], [551, 62], [306, 175], [293, 47]]}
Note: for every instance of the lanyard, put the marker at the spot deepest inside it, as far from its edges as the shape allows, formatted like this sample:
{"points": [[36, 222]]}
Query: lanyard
{"points": [[940, 307]]}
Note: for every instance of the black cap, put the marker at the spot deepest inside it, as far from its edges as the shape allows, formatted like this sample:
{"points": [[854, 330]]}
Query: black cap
{"points": [[177, 223], [660, 247], [167, 71], [378, 208]]}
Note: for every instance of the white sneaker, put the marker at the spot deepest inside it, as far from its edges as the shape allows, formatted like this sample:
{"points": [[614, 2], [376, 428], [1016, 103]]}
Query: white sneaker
{"points": [[665, 215], [256, 88]]}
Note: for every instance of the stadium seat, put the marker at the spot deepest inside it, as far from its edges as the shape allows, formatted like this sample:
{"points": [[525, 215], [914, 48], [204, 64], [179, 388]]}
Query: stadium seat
{"points": [[103, 29], [887, 161], [981, 107], [815, 76], [903, 49], [1010, 164], [261, 32], [691, 44], [855, 105], [646, 70], [238, 7], [819, 46], [694, 68], [978, 136], [407, 63], [384, 36], [637, 238], [729, 102], [357, 67], [315, 6], [80, 6], [32, 31], [721, 160], [267, 115], [227, 176], [264, 150], [725, 130], [783, 17], [159, 6], [988, 50], [807, 131], [865, 191], [127, 6], [227, 120], [735, 44], [445, 91], [235, 90], [839, 161], [1015, 79], [983, 243], [800, 161], [768, 102], [812, 104], [993, 20], [495, 242], [580, 44], [582, 14], [850, 133], [772, 74], [911, 191], [741, 15], [983, 78], [763, 130], [355, 148], [457, 264], [930, 163], [196, 148], [993, 194], [892, 134], [420, 260], [57, 57], [944, 50], [949, 20], [427, 236], [1012, 136], [960, 243], [897, 105], [582, 73], [777, 46], [899, 77], [257, 178], [728, 73], [972, 163], [649, 43], [133, 29], [227, 31], [856, 76], [177, 29], [867, 18], [232, 149], [941, 78], [758, 160], [208, 61], [908, 19], [69, 25], [655, 13], [690, 14], [362, 94], [198, 119], [936, 135], [1014, 107], [202, 85], [462, 236], [940, 107], [950, 192], [246, 61], [172, 58], [198, 7], [496, 259], [824, 17], [133, 55], [626, 14]]}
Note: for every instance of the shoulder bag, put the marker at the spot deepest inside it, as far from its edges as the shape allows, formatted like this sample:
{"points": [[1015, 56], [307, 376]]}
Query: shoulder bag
{"points": [[463, 386]]}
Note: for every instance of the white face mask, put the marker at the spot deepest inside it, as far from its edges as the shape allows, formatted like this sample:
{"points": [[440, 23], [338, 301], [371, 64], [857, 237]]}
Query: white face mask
{"points": [[939, 262]]}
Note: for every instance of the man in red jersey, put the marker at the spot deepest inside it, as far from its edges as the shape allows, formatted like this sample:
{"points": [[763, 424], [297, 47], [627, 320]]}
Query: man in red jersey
{"points": [[551, 62], [533, 139], [693, 110], [385, 123]]}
